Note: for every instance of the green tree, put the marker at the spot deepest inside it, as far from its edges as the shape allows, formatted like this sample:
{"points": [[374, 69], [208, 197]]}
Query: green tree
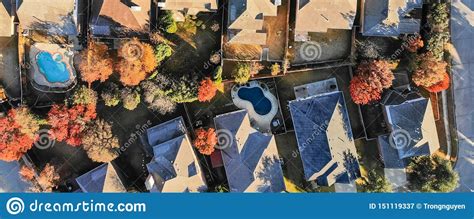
{"points": [[375, 183], [241, 73], [162, 51], [168, 23], [438, 17], [111, 95], [130, 98], [84, 96], [432, 174]]}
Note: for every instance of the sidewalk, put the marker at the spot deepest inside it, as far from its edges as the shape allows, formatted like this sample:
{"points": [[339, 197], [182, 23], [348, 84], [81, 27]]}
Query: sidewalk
{"points": [[462, 31]]}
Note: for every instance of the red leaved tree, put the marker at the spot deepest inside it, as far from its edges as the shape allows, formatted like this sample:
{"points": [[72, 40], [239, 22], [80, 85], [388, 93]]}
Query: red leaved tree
{"points": [[68, 124], [370, 80], [207, 90], [413, 43], [441, 86], [362, 92], [205, 141], [18, 132], [96, 63]]}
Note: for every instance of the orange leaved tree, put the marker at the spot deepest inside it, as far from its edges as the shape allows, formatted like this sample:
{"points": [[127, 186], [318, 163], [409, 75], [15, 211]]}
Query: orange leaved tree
{"points": [[96, 63], [18, 132], [429, 70], [135, 61], [205, 141], [441, 86], [207, 90]]}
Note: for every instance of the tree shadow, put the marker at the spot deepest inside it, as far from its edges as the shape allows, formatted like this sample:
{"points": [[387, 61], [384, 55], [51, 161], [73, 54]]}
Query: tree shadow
{"points": [[271, 175]]}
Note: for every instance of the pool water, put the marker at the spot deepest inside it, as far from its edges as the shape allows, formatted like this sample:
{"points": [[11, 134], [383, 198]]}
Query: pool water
{"points": [[52, 68], [261, 104]]}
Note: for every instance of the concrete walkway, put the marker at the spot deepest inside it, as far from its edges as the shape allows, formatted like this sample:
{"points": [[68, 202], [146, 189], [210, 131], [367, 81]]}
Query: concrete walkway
{"points": [[462, 30]]}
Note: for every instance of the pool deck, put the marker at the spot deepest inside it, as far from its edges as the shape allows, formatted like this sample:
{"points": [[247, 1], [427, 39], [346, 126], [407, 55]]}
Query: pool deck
{"points": [[260, 122], [39, 78]]}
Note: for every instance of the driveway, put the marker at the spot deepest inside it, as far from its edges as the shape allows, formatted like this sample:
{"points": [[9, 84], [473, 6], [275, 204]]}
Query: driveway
{"points": [[462, 29]]}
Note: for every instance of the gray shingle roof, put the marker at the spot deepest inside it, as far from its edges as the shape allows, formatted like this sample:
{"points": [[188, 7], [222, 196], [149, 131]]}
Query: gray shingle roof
{"points": [[413, 121], [325, 139], [387, 17], [251, 161], [104, 178]]}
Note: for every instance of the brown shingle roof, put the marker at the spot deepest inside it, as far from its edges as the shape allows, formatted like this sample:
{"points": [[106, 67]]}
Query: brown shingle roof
{"points": [[6, 20], [246, 20], [190, 6], [121, 13], [321, 15], [38, 14]]}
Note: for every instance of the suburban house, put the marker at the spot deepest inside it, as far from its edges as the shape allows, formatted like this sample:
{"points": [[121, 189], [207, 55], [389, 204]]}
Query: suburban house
{"points": [[174, 166], [324, 135], [317, 16], [104, 178], [6, 19], [251, 158], [390, 18], [111, 17], [412, 133], [56, 17], [246, 19], [181, 8]]}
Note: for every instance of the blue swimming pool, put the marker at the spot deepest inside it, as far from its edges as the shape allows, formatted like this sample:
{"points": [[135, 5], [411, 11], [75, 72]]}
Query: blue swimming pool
{"points": [[261, 104], [52, 68]]}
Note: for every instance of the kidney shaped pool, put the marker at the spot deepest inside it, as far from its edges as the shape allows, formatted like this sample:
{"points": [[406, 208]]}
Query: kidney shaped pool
{"points": [[54, 69], [261, 104]]}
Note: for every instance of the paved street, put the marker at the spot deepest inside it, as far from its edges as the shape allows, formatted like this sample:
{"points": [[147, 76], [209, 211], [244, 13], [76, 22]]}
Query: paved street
{"points": [[462, 29]]}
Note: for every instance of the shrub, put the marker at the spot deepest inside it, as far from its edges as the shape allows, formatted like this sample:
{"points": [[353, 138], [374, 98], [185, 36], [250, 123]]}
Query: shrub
{"points": [[276, 69], [205, 141], [255, 68], [96, 63], [130, 98], [100, 143], [217, 77], [241, 73], [111, 95]]}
